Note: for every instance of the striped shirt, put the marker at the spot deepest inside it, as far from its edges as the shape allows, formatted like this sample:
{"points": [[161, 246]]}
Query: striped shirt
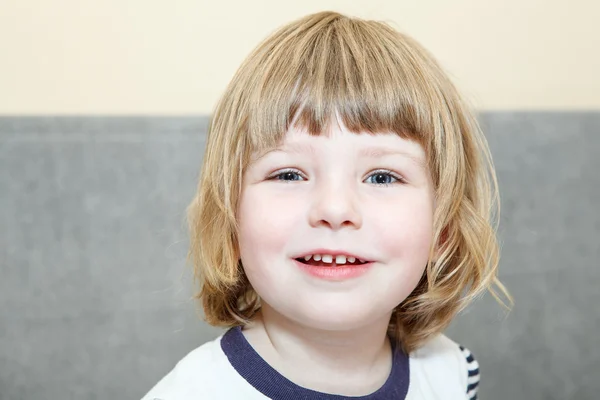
{"points": [[472, 373], [229, 368]]}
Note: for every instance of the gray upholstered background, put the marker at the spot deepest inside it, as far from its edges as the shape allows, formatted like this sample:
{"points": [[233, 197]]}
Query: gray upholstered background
{"points": [[94, 294]]}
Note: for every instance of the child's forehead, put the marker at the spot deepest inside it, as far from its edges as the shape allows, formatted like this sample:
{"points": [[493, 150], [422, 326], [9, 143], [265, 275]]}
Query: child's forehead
{"points": [[298, 140], [298, 136]]}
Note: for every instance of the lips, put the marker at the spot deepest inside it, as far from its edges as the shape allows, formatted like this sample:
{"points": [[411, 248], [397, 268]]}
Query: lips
{"points": [[328, 257], [333, 271], [328, 260], [333, 265]]}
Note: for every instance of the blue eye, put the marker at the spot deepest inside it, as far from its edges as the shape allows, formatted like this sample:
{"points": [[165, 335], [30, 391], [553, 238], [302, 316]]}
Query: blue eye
{"points": [[383, 178], [378, 178], [287, 176]]}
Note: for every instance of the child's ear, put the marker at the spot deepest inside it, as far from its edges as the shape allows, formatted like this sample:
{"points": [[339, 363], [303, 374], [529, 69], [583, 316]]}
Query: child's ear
{"points": [[443, 237], [440, 245]]}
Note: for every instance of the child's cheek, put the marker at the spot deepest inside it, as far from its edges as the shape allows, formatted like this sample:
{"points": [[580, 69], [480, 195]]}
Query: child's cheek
{"points": [[267, 222], [406, 231]]}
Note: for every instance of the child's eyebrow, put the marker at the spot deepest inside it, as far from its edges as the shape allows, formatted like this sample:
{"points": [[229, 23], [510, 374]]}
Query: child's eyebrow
{"points": [[371, 152], [295, 148], [376, 152], [299, 148]]}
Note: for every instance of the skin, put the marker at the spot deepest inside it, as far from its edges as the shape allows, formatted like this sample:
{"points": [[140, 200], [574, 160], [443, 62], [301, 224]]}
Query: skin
{"points": [[371, 195]]}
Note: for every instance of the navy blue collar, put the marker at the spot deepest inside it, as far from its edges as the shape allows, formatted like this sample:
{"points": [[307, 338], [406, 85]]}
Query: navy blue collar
{"points": [[250, 365]]}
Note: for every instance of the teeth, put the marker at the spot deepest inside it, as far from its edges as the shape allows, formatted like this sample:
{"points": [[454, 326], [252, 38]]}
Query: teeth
{"points": [[328, 259], [340, 259]]}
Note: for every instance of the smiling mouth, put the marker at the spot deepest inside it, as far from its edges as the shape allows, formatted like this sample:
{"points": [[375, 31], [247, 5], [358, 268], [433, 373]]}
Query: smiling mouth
{"points": [[333, 263]]}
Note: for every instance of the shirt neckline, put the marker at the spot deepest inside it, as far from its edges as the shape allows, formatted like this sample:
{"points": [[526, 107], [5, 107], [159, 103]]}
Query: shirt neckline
{"points": [[264, 378]]}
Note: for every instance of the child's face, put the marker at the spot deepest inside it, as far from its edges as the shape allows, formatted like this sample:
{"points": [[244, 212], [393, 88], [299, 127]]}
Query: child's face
{"points": [[328, 192]]}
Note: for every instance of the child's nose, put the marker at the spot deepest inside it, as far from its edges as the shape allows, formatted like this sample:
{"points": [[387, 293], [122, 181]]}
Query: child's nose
{"points": [[335, 206]]}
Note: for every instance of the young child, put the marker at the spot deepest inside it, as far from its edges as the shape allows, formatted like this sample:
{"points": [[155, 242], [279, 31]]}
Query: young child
{"points": [[345, 214]]}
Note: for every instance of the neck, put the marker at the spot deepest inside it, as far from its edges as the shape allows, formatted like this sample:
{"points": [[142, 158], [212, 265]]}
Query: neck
{"points": [[352, 362]]}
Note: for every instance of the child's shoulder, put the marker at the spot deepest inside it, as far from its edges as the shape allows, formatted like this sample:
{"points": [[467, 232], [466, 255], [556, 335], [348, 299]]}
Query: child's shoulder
{"points": [[187, 375], [449, 364], [204, 371]]}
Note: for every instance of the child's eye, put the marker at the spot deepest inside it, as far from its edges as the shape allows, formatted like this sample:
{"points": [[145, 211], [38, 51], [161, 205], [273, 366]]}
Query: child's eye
{"points": [[288, 175], [383, 178]]}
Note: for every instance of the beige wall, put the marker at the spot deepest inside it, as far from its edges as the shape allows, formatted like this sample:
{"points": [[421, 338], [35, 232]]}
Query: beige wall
{"points": [[176, 57]]}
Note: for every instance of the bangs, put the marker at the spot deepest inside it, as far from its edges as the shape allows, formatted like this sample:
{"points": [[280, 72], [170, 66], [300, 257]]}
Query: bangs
{"points": [[334, 69]]}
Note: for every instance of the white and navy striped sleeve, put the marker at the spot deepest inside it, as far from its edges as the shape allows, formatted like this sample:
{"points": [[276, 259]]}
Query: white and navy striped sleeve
{"points": [[472, 373]]}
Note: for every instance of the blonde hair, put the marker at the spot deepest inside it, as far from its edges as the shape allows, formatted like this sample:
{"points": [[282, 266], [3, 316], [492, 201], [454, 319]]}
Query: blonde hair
{"points": [[374, 79]]}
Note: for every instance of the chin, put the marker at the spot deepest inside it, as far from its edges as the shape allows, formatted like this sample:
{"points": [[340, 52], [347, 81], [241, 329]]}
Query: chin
{"points": [[341, 317]]}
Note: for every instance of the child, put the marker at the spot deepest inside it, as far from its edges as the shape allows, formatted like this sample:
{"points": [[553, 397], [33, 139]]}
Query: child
{"points": [[343, 218]]}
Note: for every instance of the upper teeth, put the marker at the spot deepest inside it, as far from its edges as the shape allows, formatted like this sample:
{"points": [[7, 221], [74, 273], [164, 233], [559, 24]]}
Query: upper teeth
{"points": [[328, 259]]}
